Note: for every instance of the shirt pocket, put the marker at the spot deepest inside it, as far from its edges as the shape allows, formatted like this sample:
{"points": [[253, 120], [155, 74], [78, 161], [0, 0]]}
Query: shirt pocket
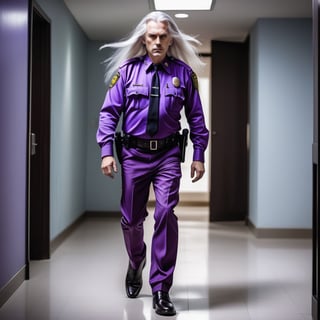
{"points": [[137, 97], [174, 100]]}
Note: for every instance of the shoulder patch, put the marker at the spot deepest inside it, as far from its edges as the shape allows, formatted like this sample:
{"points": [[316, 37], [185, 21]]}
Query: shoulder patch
{"points": [[114, 80], [195, 80]]}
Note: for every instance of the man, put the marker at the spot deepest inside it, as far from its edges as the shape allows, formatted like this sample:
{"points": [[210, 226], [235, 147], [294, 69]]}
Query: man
{"points": [[151, 87]]}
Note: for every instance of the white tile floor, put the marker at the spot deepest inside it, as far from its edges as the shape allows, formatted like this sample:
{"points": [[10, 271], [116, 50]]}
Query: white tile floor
{"points": [[223, 273]]}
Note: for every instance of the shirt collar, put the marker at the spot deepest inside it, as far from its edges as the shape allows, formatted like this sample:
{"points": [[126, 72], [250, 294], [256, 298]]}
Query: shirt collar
{"points": [[165, 64]]}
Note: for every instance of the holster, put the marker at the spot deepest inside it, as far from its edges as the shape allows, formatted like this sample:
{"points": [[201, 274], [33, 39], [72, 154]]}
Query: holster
{"points": [[118, 139], [183, 142]]}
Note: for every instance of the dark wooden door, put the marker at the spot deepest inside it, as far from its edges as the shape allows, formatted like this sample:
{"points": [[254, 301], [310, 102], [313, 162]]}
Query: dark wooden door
{"points": [[39, 174], [229, 118]]}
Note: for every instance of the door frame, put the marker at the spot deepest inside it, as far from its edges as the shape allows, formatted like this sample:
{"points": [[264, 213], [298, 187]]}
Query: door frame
{"points": [[38, 223], [315, 168]]}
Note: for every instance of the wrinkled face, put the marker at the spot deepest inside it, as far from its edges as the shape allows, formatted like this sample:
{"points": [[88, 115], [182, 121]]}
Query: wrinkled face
{"points": [[157, 40]]}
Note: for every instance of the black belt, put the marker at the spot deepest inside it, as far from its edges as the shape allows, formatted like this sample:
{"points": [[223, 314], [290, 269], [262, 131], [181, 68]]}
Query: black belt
{"points": [[152, 145]]}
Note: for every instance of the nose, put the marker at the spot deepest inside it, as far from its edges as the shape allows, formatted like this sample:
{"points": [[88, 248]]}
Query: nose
{"points": [[158, 40]]}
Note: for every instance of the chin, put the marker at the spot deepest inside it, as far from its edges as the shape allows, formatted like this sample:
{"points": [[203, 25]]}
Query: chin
{"points": [[158, 56]]}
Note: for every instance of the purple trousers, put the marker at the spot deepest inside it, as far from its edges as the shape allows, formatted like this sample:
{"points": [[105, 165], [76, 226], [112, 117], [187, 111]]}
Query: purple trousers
{"points": [[163, 171]]}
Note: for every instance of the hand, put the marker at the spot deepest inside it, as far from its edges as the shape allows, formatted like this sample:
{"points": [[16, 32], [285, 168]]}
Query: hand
{"points": [[197, 170], [108, 166]]}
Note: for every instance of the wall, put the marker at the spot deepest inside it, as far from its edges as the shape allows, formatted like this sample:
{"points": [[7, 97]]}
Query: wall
{"points": [[13, 136], [103, 194], [68, 117], [281, 123]]}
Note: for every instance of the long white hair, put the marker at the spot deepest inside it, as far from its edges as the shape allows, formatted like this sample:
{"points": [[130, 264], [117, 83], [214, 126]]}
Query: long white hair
{"points": [[184, 47]]}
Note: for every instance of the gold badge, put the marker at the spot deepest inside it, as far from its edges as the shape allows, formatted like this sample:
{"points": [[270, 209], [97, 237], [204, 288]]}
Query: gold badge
{"points": [[114, 80], [195, 80], [176, 82]]}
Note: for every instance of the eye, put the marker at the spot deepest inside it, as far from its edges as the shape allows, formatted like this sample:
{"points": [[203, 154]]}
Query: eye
{"points": [[152, 36]]}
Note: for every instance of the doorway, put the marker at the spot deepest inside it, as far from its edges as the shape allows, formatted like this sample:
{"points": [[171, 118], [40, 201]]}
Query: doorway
{"points": [[229, 124], [39, 136]]}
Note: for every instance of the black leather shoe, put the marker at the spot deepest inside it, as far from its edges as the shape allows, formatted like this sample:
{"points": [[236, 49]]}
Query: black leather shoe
{"points": [[162, 304], [134, 280]]}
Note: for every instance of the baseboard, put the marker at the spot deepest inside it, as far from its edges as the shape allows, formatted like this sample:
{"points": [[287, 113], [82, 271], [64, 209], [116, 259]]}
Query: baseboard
{"points": [[7, 291], [279, 232], [103, 214], [57, 241]]}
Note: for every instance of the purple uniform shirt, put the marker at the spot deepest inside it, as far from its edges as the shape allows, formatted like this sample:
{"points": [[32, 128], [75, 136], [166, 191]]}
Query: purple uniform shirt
{"points": [[129, 93]]}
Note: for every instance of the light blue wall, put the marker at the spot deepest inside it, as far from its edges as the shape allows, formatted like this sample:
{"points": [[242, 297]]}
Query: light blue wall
{"points": [[103, 194], [68, 117], [281, 107]]}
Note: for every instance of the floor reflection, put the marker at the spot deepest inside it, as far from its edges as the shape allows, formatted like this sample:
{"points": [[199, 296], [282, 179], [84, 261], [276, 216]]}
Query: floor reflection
{"points": [[223, 273]]}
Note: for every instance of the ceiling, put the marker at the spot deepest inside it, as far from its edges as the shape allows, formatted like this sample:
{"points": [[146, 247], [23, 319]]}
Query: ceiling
{"points": [[230, 20]]}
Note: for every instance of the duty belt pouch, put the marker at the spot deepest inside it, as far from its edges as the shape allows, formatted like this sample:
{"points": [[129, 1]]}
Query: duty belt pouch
{"points": [[183, 142], [119, 144]]}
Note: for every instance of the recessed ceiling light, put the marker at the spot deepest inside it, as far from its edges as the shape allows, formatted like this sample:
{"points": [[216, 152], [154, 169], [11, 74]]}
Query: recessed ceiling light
{"points": [[183, 5], [181, 15]]}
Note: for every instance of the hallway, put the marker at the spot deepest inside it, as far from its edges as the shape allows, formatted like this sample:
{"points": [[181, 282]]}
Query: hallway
{"points": [[223, 273]]}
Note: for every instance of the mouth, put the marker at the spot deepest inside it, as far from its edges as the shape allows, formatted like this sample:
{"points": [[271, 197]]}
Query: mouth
{"points": [[157, 50]]}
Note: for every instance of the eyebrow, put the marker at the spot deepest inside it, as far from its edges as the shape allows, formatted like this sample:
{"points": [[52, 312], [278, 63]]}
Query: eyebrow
{"points": [[156, 34]]}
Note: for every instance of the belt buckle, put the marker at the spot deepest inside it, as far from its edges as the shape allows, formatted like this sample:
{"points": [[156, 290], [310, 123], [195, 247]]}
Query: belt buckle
{"points": [[153, 145]]}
